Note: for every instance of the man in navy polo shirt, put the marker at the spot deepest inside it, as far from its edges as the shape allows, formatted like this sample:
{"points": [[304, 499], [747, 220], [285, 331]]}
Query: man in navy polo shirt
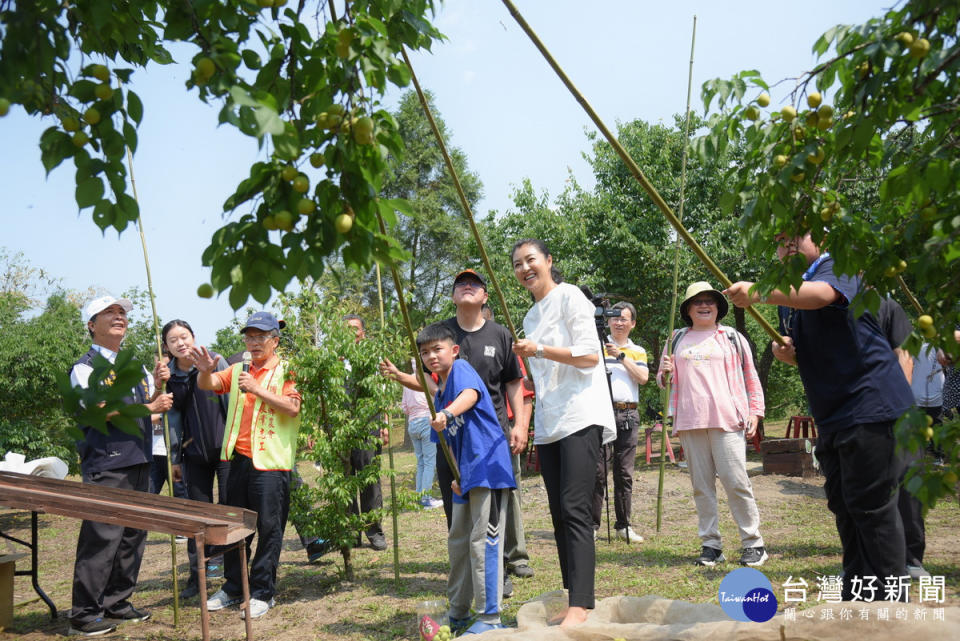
{"points": [[857, 391], [108, 556]]}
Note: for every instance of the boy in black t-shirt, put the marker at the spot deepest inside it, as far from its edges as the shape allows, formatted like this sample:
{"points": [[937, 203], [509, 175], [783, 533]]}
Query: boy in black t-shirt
{"points": [[856, 392]]}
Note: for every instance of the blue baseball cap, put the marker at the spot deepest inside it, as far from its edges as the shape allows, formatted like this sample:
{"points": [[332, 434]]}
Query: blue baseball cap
{"points": [[263, 320]]}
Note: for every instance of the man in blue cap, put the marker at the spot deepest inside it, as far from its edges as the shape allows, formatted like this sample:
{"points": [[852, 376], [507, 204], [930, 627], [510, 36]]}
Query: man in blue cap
{"points": [[260, 441]]}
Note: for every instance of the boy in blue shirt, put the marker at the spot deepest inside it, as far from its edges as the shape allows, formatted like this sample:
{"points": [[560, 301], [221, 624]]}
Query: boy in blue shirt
{"points": [[468, 422]]}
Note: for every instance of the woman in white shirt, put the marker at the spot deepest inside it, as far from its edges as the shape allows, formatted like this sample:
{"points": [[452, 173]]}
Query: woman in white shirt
{"points": [[573, 417]]}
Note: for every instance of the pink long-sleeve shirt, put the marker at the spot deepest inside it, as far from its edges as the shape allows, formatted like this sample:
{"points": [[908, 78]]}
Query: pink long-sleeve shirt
{"points": [[724, 390]]}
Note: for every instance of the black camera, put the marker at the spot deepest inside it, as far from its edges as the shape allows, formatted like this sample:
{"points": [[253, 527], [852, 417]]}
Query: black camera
{"points": [[601, 304]]}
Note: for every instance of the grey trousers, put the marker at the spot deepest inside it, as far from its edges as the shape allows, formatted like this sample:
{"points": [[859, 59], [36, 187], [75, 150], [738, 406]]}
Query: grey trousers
{"points": [[514, 543], [711, 453], [475, 547]]}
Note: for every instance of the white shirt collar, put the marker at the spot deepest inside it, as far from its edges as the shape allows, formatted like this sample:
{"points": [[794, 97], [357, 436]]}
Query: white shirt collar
{"points": [[106, 353]]}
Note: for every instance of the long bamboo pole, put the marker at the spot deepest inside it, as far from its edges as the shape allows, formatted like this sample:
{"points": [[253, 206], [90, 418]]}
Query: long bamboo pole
{"points": [[910, 297], [635, 170], [166, 424], [467, 211], [676, 276], [393, 481], [416, 354]]}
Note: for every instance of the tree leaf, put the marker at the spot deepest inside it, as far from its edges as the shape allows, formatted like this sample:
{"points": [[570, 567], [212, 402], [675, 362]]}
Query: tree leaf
{"points": [[89, 192]]}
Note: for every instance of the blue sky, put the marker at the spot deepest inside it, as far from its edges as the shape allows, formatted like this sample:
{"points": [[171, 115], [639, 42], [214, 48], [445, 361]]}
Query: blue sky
{"points": [[502, 104]]}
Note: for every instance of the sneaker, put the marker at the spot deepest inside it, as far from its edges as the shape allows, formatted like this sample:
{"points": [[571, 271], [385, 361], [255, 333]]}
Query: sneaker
{"points": [[521, 571], [430, 503], [214, 571], [753, 556], [91, 628], [317, 549], [459, 625], [627, 534], [190, 591], [710, 557], [596, 535], [507, 586], [258, 608], [916, 571], [130, 615], [480, 627], [377, 541], [222, 600]]}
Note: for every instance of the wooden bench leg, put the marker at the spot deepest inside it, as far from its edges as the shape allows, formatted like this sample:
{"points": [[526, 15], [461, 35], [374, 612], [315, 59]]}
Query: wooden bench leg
{"points": [[245, 581], [669, 445], [202, 586], [34, 564]]}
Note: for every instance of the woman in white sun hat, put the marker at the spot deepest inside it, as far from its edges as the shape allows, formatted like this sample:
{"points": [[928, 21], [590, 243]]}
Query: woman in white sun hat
{"points": [[716, 404]]}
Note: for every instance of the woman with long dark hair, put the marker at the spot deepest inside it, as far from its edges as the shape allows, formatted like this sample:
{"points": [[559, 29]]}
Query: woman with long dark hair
{"points": [[202, 416], [573, 416]]}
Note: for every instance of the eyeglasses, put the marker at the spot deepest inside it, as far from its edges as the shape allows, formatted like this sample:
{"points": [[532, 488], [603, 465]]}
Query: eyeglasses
{"points": [[257, 338], [466, 281], [703, 301]]}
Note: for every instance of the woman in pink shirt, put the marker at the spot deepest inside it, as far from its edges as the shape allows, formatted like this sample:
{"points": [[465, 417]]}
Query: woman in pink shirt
{"points": [[716, 404]]}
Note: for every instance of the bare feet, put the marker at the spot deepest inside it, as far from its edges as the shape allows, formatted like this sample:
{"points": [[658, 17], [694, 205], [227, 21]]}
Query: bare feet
{"points": [[575, 616], [557, 619]]}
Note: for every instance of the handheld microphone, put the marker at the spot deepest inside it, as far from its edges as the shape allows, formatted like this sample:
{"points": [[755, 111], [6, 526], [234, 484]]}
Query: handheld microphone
{"points": [[246, 361]]}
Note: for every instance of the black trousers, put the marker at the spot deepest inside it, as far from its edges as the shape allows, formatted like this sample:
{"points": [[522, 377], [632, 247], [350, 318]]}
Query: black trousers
{"points": [[158, 476], [569, 469], [863, 470], [108, 556], [911, 513], [199, 475], [268, 494], [371, 496], [621, 456]]}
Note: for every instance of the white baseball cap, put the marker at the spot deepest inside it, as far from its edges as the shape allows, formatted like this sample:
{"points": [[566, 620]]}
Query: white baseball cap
{"points": [[97, 305]]}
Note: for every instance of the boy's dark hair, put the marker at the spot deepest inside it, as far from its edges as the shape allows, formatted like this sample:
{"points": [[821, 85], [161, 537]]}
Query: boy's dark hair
{"points": [[435, 332]]}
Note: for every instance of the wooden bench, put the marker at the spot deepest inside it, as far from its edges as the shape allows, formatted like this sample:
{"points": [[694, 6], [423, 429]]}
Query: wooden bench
{"points": [[207, 523], [7, 572]]}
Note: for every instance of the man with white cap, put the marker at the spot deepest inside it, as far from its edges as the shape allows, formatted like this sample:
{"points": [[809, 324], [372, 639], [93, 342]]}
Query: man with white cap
{"points": [[108, 556], [260, 441]]}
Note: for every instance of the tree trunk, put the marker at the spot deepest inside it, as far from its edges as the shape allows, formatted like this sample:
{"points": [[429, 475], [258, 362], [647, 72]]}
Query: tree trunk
{"points": [[347, 550]]}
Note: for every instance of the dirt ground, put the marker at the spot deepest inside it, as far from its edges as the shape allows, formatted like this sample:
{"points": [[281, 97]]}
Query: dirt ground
{"points": [[314, 603]]}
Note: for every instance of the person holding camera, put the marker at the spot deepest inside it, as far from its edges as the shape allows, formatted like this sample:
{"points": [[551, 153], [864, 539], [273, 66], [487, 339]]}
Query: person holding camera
{"points": [[573, 414], [627, 364]]}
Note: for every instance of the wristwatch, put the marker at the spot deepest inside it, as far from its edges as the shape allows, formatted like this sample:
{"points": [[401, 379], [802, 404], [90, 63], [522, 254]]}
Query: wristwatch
{"points": [[539, 352], [449, 416], [621, 356]]}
